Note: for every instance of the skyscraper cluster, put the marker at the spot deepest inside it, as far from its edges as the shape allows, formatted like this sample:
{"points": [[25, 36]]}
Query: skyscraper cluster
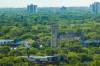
{"points": [[32, 8], [95, 7]]}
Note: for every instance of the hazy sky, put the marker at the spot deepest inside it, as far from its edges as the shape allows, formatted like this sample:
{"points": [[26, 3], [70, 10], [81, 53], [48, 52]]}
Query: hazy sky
{"points": [[46, 3]]}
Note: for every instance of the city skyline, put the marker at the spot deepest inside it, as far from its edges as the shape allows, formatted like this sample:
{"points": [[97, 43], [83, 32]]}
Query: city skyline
{"points": [[46, 3]]}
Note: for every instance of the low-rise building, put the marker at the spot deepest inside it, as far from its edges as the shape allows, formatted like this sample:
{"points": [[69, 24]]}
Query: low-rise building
{"points": [[94, 43], [6, 42], [9, 42]]}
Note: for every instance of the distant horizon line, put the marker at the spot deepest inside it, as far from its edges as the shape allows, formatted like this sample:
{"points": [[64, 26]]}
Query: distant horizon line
{"points": [[49, 7]]}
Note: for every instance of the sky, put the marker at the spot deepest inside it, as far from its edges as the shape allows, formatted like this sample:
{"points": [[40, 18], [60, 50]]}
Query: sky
{"points": [[45, 3]]}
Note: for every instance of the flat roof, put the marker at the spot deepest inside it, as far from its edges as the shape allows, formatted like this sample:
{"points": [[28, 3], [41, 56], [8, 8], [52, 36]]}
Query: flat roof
{"points": [[38, 57], [6, 40]]}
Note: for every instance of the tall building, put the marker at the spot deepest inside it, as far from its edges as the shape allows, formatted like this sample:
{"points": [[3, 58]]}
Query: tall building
{"points": [[95, 7], [63, 9], [32, 8], [54, 32]]}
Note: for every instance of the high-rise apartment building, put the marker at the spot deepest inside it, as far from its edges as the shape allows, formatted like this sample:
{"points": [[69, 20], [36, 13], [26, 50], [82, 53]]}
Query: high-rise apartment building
{"points": [[95, 7], [32, 8]]}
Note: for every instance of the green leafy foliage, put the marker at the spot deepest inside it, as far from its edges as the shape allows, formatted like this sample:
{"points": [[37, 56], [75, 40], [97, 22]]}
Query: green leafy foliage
{"points": [[36, 29]]}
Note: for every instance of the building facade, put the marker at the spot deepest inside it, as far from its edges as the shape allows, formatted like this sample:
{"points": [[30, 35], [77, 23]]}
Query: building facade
{"points": [[32, 8], [8, 42], [95, 7]]}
